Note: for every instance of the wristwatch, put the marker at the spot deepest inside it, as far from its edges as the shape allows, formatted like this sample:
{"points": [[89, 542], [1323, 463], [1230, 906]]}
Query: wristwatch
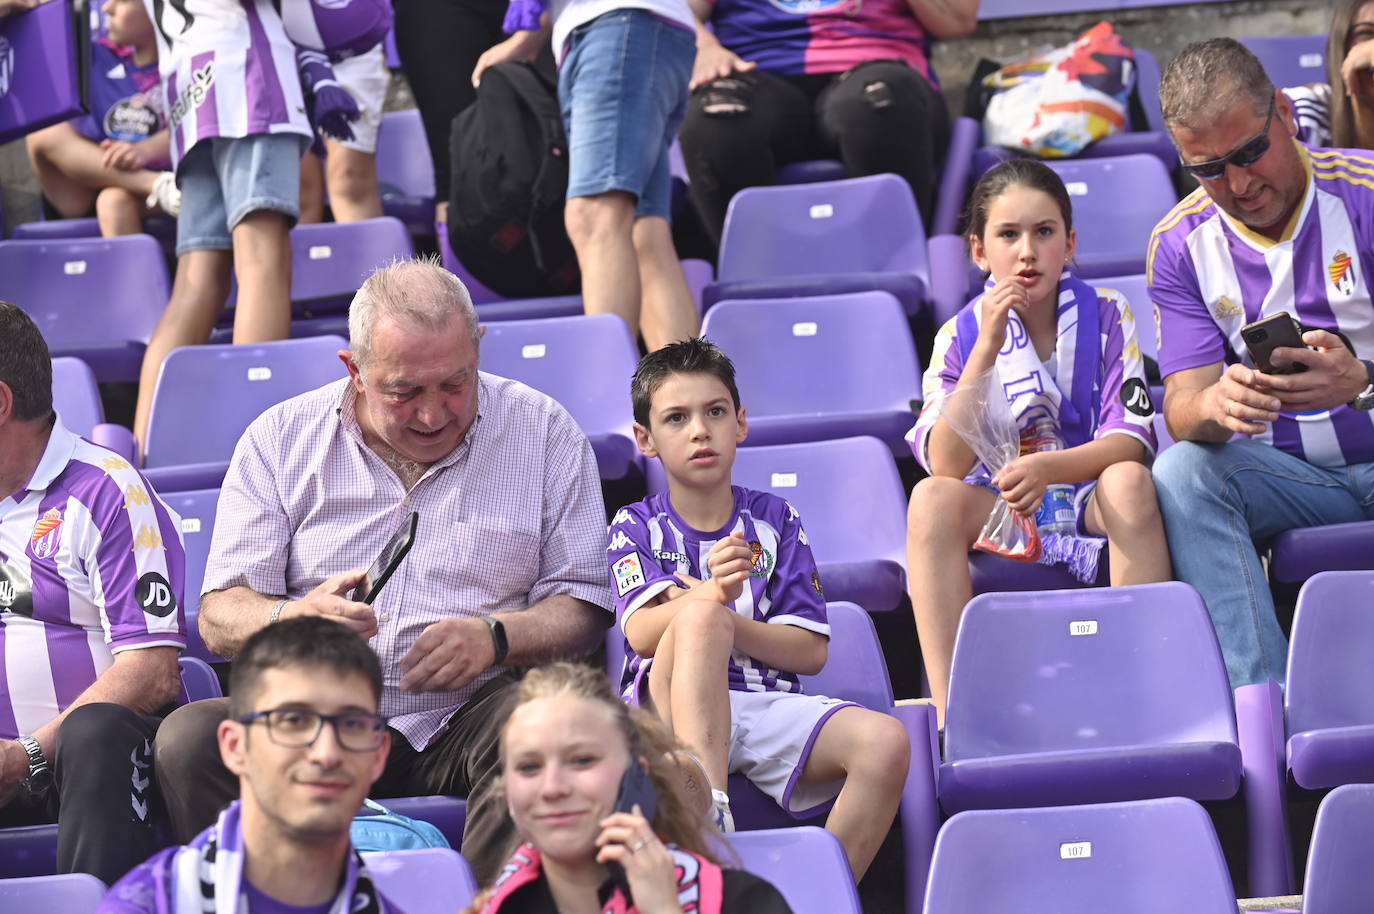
{"points": [[1365, 399], [498, 640], [40, 773]]}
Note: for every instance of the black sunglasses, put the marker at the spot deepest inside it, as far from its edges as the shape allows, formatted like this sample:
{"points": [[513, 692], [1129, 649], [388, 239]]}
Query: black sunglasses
{"points": [[1247, 154]]}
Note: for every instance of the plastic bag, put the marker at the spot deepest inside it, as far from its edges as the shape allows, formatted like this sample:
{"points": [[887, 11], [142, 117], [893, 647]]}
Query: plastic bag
{"points": [[979, 413]]}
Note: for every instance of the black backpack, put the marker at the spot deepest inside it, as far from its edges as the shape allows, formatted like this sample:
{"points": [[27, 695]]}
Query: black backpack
{"points": [[510, 175]]}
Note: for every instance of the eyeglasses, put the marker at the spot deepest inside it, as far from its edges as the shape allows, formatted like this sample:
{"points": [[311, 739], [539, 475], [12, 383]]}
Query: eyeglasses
{"points": [[1248, 154], [297, 728]]}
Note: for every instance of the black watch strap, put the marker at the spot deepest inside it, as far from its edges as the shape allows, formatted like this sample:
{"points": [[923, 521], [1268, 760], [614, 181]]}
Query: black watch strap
{"points": [[498, 640]]}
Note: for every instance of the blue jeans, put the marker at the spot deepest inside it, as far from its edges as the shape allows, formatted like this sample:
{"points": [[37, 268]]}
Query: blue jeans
{"points": [[1222, 503], [623, 93]]}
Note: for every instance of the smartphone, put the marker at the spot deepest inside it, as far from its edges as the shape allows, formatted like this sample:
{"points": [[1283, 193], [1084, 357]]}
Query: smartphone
{"points": [[382, 569], [636, 789], [1264, 336]]}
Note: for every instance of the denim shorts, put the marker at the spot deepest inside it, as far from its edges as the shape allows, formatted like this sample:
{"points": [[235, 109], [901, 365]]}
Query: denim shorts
{"points": [[623, 92], [223, 179]]}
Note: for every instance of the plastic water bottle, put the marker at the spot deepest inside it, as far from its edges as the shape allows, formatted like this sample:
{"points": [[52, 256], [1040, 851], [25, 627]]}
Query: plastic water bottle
{"points": [[1055, 514]]}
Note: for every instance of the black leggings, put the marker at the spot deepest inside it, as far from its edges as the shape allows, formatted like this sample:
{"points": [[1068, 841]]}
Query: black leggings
{"points": [[881, 116]]}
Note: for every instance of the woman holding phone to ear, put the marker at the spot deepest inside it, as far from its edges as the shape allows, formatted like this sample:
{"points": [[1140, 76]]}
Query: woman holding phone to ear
{"points": [[567, 750]]}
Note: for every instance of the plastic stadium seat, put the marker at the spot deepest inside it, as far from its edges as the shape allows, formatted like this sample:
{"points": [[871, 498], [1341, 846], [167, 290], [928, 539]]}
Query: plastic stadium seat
{"points": [[492, 305], [831, 366], [806, 864], [823, 239], [448, 814], [583, 362], [1330, 682], [77, 400], [850, 498], [96, 298], [1340, 865], [1116, 204], [435, 880], [71, 893], [405, 170], [198, 681], [188, 445], [197, 512], [56, 229], [1127, 858], [1290, 60], [1296, 555]]}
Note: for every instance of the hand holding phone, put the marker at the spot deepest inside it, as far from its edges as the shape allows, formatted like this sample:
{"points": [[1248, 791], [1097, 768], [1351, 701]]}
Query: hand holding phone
{"points": [[636, 790], [386, 563], [1270, 333]]}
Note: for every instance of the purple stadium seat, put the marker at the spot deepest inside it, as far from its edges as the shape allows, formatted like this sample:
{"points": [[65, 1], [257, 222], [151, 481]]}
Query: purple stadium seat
{"points": [[491, 305], [1128, 858], [405, 170], [1330, 682], [393, 56], [97, 299], [198, 681], [806, 864], [435, 880], [71, 893], [1340, 864], [448, 814], [812, 171], [829, 366], [1290, 60], [1296, 555], [1116, 203], [77, 400], [824, 239], [57, 229], [188, 445], [583, 362], [197, 512], [30, 850], [990, 573], [851, 501]]}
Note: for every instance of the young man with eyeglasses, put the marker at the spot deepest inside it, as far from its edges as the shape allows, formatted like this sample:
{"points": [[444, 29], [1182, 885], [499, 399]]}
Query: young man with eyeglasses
{"points": [[306, 742], [1274, 227]]}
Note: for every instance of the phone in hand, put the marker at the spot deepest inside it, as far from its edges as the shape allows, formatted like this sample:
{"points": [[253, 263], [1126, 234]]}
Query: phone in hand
{"points": [[1264, 336], [636, 789], [382, 569]]}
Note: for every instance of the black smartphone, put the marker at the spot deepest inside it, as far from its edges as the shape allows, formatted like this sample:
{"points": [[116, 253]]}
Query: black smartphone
{"points": [[391, 556], [636, 788], [1264, 336]]}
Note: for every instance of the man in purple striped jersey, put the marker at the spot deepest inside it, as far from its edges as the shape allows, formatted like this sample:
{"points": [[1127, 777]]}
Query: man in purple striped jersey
{"points": [[1274, 227], [91, 622]]}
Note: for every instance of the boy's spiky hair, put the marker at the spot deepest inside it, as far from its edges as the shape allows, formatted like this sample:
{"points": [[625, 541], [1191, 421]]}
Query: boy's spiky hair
{"points": [[695, 356]]}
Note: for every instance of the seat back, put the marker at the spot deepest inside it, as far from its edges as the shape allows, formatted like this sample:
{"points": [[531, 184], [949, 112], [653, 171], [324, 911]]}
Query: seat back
{"points": [[868, 224], [854, 666], [1290, 60], [88, 290], [1340, 864], [1117, 202], [434, 880], [1137, 293], [806, 864], [1127, 858], [1086, 669], [1147, 88], [75, 395], [817, 355], [584, 362], [244, 381], [330, 260], [197, 512], [1330, 680], [69, 893], [403, 159], [198, 681]]}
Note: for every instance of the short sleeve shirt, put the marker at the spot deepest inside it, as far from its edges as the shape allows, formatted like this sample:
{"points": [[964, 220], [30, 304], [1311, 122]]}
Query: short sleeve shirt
{"points": [[126, 99]]}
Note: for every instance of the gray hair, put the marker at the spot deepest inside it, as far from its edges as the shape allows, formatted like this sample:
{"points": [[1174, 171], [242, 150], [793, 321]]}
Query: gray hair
{"points": [[1210, 77], [419, 292]]}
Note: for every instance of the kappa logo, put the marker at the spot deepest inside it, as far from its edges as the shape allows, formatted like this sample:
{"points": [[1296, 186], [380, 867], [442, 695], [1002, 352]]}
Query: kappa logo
{"points": [[147, 538], [6, 65], [135, 495], [114, 464], [47, 535], [677, 558], [623, 516], [1341, 269], [619, 541]]}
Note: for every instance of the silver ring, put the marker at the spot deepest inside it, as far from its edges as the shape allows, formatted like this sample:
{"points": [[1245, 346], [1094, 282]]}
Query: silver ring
{"points": [[634, 848]]}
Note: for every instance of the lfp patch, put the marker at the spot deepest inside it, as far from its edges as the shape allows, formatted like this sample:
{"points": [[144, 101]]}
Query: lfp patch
{"points": [[628, 572]]}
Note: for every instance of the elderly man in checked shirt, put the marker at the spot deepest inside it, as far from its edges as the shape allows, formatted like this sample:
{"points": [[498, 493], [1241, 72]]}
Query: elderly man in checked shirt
{"points": [[506, 570]]}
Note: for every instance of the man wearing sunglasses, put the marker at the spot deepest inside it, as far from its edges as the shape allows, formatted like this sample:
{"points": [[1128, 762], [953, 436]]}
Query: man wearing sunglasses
{"points": [[306, 742], [1273, 227]]}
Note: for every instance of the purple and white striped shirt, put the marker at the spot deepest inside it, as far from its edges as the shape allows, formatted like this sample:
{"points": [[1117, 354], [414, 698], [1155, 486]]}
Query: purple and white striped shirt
{"points": [[513, 515], [91, 563], [228, 70], [1210, 275], [649, 544]]}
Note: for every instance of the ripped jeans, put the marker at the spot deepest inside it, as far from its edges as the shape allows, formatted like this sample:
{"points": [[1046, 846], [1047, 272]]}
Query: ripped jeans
{"points": [[881, 116]]}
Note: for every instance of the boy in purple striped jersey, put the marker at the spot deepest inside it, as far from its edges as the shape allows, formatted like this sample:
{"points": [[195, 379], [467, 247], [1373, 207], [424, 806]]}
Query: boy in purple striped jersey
{"points": [[710, 578], [91, 622], [1274, 227]]}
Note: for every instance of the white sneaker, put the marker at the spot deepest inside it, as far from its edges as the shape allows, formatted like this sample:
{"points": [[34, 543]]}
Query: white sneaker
{"points": [[166, 194], [724, 820]]}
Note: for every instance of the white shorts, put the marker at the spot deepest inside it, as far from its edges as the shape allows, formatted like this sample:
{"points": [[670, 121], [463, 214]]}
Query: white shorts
{"points": [[365, 77], [771, 735]]}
